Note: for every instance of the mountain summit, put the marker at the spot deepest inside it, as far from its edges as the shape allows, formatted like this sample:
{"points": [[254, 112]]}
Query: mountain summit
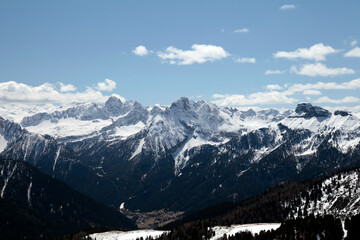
{"points": [[307, 110]]}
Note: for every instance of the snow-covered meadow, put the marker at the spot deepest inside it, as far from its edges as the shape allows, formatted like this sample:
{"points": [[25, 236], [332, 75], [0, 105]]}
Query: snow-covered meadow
{"points": [[219, 232]]}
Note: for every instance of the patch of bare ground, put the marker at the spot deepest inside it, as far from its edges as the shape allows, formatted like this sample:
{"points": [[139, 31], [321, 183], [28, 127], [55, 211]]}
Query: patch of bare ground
{"points": [[153, 219]]}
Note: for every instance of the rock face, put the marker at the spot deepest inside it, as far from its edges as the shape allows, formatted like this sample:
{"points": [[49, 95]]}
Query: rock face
{"points": [[114, 106], [182, 157], [342, 113], [307, 110]]}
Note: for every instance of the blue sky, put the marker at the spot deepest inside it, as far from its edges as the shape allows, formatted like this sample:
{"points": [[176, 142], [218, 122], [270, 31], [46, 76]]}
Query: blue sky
{"points": [[222, 51]]}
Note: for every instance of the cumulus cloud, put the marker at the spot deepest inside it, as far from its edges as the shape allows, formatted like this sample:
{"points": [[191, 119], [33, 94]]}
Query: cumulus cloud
{"points": [[271, 72], [355, 52], [66, 87], [141, 51], [311, 92], [317, 52], [245, 60], [107, 85], [273, 87], [285, 94], [14, 92], [343, 107], [259, 98], [242, 30], [353, 43], [351, 85], [287, 7], [349, 99], [319, 69], [199, 53]]}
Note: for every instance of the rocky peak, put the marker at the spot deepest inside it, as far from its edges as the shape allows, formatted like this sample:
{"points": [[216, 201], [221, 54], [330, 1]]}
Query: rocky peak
{"points": [[156, 110], [342, 113], [208, 107], [35, 119], [9, 128], [307, 110], [92, 111], [247, 114], [135, 105], [182, 103], [114, 105]]}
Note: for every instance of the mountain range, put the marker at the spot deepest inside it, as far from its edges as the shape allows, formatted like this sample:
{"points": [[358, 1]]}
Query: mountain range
{"points": [[185, 156]]}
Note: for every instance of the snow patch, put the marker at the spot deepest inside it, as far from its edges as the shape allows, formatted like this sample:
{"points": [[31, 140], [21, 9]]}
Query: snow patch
{"points": [[126, 131], [56, 157], [6, 180], [3, 143], [181, 155], [130, 235], [29, 194], [312, 124], [67, 127], [139, 148], [242, 172], [253, 228]]}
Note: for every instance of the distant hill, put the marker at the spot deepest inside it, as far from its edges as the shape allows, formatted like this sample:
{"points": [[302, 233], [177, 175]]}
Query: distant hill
{"points": [[36, 206]]}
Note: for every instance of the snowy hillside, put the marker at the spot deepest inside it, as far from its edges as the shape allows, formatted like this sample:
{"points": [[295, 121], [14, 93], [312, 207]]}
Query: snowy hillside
{"points": [[338, 195]]}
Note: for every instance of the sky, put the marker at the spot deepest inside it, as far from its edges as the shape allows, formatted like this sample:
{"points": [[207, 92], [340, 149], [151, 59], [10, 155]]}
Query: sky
{"points": [[233, 53]]}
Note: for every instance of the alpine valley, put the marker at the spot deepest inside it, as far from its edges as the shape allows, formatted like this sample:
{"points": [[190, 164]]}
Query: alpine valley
{"points": [[181, 157]]}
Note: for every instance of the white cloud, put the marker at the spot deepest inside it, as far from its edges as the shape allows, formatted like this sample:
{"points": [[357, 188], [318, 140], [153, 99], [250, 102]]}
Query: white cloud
{"points": [[200, 53], [242, 30], [141, 51], [13, 92], [284, 95], [319, 69], [355, 52], [287, 6], [216, 95], [273, 87], [66, 87], [349, 99], [270, 72], [311, 92], [316, 52], [351, 85], [343, 107], [353, 43], [259, 98], [107, 85], [245, 60]]}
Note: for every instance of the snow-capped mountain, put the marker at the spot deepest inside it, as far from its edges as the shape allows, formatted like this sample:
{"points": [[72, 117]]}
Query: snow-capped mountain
{"points": [[124, 152]]}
